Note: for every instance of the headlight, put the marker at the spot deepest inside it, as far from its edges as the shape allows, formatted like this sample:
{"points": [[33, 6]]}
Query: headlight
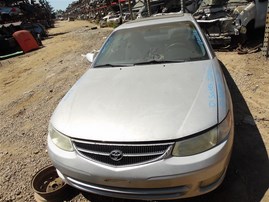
{"points": [[60, 140], [205, 141]]}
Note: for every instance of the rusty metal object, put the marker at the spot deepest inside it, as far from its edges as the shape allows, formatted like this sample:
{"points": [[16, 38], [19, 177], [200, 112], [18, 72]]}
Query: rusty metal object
{"points": [[241, 50], [49, 187]]}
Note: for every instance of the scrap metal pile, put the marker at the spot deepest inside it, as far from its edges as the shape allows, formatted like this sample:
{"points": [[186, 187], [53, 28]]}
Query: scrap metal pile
{"points": [[124, 10], [96, 9], [224, 21], [17, 15]]}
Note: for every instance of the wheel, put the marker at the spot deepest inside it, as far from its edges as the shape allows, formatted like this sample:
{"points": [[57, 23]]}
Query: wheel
{"points": [[49, 187]]}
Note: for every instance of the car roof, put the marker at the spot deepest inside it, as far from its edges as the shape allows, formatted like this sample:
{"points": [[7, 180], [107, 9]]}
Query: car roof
{"points": [[160, 19]]}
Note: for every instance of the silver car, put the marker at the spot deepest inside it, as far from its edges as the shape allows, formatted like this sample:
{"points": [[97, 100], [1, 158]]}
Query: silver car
{"points": [[151, 119]]}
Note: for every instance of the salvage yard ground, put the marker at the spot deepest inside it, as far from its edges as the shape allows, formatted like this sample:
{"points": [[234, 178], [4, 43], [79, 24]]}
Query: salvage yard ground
{"points": [[31, 85]]}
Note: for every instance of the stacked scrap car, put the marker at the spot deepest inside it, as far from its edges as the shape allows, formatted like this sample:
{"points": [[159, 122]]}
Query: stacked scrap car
{"points": [[9, 44], [7, 14], [223, 20]]}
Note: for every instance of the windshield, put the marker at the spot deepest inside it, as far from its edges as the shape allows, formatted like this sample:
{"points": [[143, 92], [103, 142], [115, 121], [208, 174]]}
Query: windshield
{"points": [[170, 42]]}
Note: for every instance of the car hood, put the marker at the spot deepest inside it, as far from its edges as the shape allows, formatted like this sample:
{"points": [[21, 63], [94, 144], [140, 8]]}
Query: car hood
{"points": [[140, 103]]}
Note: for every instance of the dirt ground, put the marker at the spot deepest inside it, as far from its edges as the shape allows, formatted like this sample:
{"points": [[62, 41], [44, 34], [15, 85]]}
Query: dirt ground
{"points": [[31, 86]]}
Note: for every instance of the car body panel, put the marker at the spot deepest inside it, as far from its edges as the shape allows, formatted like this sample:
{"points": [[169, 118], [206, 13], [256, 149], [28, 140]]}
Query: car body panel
{"points": [[10, 10], [160, 101], [148, 181]]}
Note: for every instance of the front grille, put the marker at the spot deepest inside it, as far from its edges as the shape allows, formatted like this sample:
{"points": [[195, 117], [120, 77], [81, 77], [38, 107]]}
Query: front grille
{"points": [[122, 154]]}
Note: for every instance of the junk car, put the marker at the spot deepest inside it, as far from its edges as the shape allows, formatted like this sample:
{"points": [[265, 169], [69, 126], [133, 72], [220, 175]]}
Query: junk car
{"points": [[223, 20], [151, 119]]}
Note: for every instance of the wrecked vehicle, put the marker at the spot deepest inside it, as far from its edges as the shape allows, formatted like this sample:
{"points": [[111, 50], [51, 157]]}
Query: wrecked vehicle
{"points": [[38, 29], [7, 14], [223, 20], [175, 6], [171, 6]]}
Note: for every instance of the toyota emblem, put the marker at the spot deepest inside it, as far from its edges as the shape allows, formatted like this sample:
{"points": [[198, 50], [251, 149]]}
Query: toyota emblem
{"points": [[116, 155]]}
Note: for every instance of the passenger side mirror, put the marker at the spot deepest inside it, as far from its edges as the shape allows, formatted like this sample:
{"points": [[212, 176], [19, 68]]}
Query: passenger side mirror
{"points": [[91, 56]]}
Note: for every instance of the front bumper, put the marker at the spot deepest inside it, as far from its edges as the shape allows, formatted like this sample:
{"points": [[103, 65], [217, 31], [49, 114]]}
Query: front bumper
{"points": [[171, 178]]}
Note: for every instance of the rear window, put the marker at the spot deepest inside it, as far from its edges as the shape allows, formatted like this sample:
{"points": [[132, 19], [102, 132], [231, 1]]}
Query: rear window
{"points": [[177, 41]]}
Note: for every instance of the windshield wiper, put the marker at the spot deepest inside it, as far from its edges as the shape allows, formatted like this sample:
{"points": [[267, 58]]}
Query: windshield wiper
{"points": [[190, 59], [140, 63], [112, 65], [158, 62]]}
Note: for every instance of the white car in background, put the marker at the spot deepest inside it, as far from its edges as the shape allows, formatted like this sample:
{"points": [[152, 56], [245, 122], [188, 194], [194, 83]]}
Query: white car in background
{"points": [[112, 18]]}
